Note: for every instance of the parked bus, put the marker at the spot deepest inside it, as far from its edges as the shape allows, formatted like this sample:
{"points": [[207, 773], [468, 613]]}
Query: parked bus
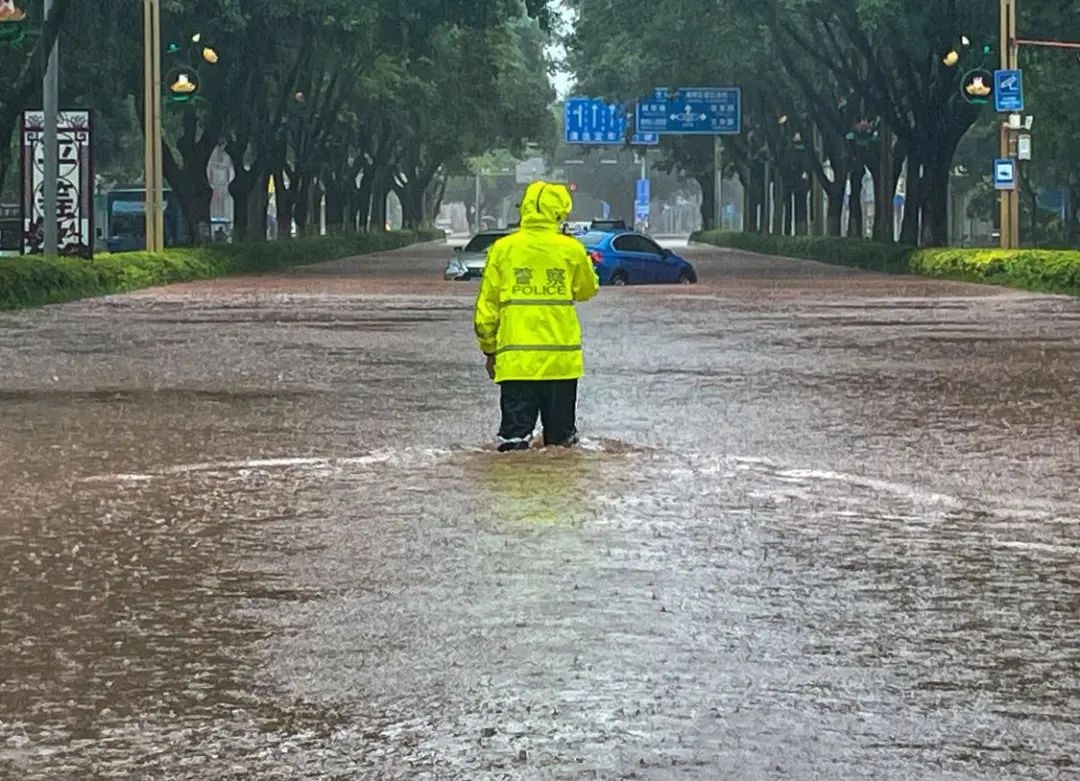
{"points": [[10, 229], [126, 213]]}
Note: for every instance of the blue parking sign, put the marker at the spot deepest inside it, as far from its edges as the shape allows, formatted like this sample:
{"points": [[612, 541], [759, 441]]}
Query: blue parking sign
{"points": [[1005, 174]]}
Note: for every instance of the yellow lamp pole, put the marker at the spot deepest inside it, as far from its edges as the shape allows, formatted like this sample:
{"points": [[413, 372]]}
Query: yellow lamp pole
{"points": [[155, 217], [1010, 60]]}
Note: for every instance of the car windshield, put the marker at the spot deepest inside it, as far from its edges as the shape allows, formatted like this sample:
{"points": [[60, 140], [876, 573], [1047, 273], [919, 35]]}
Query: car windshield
{"points": [[481, 241], [592, 238]]}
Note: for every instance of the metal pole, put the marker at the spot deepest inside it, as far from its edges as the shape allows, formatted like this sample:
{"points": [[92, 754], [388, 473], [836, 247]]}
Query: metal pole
{"points": [[154, 217], [1014, 64], [478, 195], [768, 199], [50, 91], [645, 176], [718, 164], [1005, 201]]}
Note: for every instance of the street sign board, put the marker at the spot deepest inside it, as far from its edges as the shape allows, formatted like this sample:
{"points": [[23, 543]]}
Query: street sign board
{"points": [[594, 122], [75, 187], [1009, 91], [692, 111], [643, 193], [1023, 147], [591, 121], [1005, 174]]}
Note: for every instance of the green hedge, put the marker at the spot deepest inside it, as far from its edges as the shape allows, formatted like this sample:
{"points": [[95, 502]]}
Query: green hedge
{"points": [[33, 281], [1055, 271]]}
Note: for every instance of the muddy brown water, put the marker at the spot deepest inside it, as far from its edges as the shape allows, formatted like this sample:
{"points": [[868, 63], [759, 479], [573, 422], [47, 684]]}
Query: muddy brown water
{"points": [[824, 524]]}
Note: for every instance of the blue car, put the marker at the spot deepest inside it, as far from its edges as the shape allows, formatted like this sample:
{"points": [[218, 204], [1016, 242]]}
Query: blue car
{"points": [[629, 258]]}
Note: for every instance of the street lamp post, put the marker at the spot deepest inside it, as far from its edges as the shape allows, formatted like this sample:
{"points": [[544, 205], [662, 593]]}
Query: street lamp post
{"points": [[1010, 199], [155, 217], [50, 90]]}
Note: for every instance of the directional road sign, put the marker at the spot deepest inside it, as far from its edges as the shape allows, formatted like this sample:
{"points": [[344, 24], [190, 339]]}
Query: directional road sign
{"points": [[692, 111], [1009, 91], [590, 121], [1005, 174], [594, 122]]}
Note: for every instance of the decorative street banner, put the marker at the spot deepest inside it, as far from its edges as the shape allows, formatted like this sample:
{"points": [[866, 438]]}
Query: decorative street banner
{"points": [[75, 189]]}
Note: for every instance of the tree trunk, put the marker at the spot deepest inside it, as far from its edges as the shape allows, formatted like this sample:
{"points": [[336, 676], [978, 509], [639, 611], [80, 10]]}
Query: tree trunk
{"points": [[779, 202], [935, 200], [411, 196], [283, 200], [1073, 212], [337, 202], [909, 231], [707, 183], [380, 191], [855, 212], [754, 220], [257, 205], [362, 201], [248, 190], [884, 191], [194, 194], [802, 213]]}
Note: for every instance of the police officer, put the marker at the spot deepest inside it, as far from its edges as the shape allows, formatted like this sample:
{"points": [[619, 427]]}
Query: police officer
{"points": [[526, 323]]}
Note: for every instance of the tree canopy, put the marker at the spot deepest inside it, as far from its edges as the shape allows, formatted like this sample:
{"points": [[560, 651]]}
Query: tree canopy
{"points": [[344, 99], [832, 89]]}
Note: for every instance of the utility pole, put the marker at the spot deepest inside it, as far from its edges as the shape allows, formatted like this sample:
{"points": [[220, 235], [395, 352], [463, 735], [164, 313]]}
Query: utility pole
{"points": [[50, 90], [155, 198], [1010, 60]]}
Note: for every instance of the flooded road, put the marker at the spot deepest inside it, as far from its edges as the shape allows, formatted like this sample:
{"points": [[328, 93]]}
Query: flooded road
{"points": [[824, 524]]}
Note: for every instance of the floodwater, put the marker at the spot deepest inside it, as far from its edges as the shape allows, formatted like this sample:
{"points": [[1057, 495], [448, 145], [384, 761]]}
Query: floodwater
{"points": [[824, 524]]}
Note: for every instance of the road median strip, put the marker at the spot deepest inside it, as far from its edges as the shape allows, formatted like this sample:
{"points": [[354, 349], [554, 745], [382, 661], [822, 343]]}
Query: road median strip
{"points": [[36, 281], [1050, 271]]}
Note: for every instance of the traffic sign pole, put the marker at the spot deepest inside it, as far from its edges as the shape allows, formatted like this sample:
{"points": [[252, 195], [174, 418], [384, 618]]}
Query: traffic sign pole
{"points": [[718, 166], [1010, 199]]}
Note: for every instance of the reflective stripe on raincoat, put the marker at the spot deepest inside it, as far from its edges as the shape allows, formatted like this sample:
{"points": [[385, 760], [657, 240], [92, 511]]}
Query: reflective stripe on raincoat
{"points": [[525, 313]]}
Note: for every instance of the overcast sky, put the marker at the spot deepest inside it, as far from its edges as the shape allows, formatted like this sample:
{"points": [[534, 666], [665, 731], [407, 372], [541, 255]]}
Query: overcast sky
{"points": [[562, 80]]}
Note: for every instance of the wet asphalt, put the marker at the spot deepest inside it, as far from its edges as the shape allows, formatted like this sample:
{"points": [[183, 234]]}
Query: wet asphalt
{"points": [[823, 524]]}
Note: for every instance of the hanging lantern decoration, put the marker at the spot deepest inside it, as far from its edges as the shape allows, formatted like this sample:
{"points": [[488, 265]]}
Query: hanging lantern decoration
{"points": [[11, 22]]}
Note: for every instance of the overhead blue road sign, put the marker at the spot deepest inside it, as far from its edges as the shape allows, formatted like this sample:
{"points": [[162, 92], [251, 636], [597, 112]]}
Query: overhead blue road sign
{"points": [[692, 111], [644, 139], [1009, 91], [590, 121], [1005, 174]]}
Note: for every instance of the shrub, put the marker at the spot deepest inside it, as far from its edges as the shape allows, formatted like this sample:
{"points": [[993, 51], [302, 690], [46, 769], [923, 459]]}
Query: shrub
{"points": [[33, 281], [1055, 271]]}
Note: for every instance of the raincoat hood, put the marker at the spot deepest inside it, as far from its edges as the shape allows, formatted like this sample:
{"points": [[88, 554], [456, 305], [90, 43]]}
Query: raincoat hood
{"points": [[545, 206]]}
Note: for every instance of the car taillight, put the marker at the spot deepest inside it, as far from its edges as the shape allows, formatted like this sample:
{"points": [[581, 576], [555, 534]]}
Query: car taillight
{"points": [[597, 258]]}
